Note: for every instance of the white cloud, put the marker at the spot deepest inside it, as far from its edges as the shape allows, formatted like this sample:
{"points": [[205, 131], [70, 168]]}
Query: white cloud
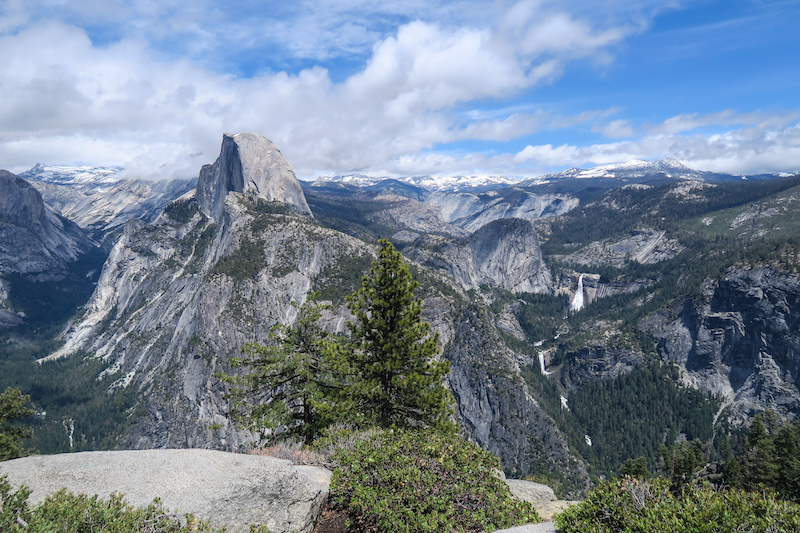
{"points": [[727, 117], [616, 129], [143, 84], [125, 103], [757, 148], [548, 155]]}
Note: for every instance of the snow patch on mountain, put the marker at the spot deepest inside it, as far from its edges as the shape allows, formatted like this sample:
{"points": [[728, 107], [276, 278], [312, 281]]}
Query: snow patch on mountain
{"points": [[669, 168], [430, 183], [86, 176]]}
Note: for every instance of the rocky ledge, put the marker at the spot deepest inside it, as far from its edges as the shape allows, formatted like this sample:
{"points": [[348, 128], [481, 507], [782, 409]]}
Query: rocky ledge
{"points": [[230, 490]]}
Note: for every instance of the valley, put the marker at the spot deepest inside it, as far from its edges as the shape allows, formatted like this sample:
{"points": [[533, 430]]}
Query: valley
{"points": [[117, 323]]}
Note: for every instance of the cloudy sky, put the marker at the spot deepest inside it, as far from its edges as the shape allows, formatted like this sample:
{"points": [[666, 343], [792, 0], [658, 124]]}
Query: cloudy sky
{"points": [[407, 87]]}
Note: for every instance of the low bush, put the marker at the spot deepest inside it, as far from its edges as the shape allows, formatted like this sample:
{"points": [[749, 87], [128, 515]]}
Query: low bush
{"points": [[647, 506], [423, 480], [340, 440]]}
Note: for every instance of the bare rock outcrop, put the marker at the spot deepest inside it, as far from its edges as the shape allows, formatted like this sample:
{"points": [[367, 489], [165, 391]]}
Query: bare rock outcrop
{"points": [[504, 253], [740, 340], [230, 490], [33, 238], [252, 165]]}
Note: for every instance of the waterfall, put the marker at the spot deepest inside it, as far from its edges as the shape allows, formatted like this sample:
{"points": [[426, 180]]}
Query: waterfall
{"points": [[541, 364], [577, 300]]}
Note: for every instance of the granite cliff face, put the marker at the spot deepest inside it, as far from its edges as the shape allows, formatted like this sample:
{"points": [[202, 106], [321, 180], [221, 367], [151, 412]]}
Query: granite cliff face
{"points": [[740, 340], [504, 253], [249, 164], [176, 298], [494, 404], [33, 238], [471, 211]]}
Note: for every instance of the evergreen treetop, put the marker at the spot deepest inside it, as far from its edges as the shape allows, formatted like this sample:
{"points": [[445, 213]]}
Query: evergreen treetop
{"points": [[13, 405], [395, 380], [287, 390]]}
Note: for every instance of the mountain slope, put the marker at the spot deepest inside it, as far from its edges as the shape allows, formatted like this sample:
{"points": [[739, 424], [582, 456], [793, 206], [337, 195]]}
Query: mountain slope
{"points": [[46, 261], [34, 237], [96, 199], [177, 298]]}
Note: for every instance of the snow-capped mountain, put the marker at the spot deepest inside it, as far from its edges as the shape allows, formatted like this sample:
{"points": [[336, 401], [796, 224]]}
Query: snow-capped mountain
{"points": [[430, 183], [81, 177], [635, 170], [658, 169], [98, 199]]}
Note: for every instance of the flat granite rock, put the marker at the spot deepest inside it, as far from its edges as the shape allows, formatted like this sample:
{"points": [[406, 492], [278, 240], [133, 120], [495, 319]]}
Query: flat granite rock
{"points": [[528, 491], [231, 490]]}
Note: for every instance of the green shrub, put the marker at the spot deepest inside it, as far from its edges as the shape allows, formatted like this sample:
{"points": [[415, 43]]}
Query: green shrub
{"points": [[13, 405], [245, 263], [182, 211], [423, 480], [647, 506]]}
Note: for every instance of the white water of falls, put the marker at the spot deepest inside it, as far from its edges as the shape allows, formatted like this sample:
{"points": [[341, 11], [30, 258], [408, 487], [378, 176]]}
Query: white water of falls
{"points": [[564, 403], [541, 365], [577, 300]]}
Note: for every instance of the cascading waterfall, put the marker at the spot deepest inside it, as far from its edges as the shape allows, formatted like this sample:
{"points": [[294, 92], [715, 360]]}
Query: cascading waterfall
{"points": [[541, 364], [577, 300]]}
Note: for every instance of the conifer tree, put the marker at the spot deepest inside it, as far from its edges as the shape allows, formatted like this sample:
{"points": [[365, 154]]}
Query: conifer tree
{"points": [[286, 392], [13, 405], [394, 379]]}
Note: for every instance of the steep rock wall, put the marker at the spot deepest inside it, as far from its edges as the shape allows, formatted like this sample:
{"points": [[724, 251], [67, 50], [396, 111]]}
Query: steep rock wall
{"points": [[33, 238], [740, 340], [504, 253], [249, 164]]}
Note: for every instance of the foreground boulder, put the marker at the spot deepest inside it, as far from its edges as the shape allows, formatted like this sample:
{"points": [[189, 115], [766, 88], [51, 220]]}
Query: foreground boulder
{"points": [[540, 496], [231, 490]]}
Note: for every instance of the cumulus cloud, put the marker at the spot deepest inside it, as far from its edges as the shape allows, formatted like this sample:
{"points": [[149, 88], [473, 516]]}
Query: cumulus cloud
{"points": [[124, 102], [757, 148], [153, 85]]}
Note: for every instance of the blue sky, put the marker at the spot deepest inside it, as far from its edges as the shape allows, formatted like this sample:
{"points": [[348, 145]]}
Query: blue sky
{"points": [[409, 87]]}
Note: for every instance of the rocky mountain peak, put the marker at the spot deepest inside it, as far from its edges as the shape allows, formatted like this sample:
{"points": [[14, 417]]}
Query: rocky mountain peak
{"points": [[20, 203], [252, 165], [33, 238]]}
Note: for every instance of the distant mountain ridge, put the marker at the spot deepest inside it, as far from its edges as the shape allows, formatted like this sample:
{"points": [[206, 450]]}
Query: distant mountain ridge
{"points": [[98, 200], [75, 176], [664, 169], [668, 168], [476, 183]]}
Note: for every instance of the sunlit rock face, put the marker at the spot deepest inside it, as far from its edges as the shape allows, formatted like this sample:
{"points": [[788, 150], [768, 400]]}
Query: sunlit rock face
{"points": [[33, 238], [252, 165]]}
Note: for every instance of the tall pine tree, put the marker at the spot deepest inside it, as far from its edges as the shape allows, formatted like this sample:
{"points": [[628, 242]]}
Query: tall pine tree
{"points": [[394, 377], [287, 389], [13, 405]]}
